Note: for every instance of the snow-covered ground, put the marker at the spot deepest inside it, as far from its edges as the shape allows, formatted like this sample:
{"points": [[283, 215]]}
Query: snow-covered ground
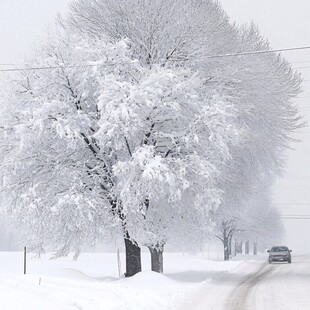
{"points": [[190, 282], [92, 282], [257, 285]]}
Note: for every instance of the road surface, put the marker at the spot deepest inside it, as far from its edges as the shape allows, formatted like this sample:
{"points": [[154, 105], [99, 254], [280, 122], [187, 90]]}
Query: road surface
{"points": [[258, 285]]}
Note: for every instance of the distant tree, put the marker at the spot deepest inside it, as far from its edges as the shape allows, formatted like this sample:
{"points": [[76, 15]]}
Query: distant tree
{"points": [[268, 120], [262, 222]]}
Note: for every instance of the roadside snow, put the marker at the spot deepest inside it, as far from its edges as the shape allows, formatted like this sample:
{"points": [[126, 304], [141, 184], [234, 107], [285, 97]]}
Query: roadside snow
{"points": [[255, 284], [215, 294], [92, 283]]}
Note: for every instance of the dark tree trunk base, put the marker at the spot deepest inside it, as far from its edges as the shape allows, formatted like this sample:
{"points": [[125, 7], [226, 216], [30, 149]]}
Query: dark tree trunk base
{"points": [[247, 247], [157, 262], [226, 248], [230, 246], [133, 258], [255, 248]]}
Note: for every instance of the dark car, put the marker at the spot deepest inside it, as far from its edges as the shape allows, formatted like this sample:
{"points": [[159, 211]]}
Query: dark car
{"points": [[279, 254]]}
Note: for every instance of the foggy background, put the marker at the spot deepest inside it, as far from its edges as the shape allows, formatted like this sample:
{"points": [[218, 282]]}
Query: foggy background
{"points": [[285, 23]]}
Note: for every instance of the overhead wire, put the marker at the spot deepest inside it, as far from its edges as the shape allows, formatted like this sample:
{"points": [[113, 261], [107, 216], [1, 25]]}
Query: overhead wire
{"points": [[293, 218], [285, 217], [261, 52], [96, 65], [292, 204], [57, 67], [297, 68], [299, 62]]}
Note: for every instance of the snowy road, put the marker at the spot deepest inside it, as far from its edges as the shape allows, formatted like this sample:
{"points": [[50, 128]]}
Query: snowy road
{"points": [[190, 282], [244, 296], [276, 286], [259, 286]]}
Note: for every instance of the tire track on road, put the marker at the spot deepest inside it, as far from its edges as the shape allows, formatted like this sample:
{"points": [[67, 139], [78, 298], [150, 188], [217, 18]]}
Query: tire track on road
{"points": [[239, 298]]}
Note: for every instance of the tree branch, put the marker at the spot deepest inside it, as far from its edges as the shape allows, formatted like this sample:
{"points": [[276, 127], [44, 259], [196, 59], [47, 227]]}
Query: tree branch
{"points": [[128, 147]]}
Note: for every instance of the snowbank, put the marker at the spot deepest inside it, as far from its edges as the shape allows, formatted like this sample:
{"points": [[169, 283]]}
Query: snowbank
{"points": [[92, 282]]}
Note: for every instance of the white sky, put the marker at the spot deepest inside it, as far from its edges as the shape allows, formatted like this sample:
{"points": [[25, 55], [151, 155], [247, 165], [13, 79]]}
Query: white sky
{"points": [[286, 23]]}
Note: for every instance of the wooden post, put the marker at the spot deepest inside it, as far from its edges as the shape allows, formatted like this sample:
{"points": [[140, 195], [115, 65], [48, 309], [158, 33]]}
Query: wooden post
{"points": [[119, 264], [25, 260]]}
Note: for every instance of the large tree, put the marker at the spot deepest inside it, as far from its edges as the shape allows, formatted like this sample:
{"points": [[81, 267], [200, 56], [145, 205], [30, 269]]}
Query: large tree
{"points": [[139, 128], [172, 34], [55, 176], [99, 143], [160, 31]]}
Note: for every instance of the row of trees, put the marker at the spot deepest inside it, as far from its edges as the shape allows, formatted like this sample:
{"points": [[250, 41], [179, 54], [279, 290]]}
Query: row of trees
{"points": [[134, 131], [257, 221]]}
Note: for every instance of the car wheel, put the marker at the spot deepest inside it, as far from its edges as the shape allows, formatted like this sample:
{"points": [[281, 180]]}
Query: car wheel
{"points": [[270, 261], [289, 261]]}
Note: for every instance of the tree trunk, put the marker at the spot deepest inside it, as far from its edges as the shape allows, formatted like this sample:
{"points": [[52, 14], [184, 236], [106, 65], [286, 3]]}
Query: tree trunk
{"points": [[230, 245], [157, 262], [247, 247], [133, 257], [236, 247], [226, 248], [240, 248], [255, 248]]}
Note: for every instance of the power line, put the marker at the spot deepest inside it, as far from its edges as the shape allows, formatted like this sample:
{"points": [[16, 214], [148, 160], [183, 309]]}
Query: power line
{"points": [[96, 65], [296, 215], [55, 67], [294, 218], [298, 68], [299, 188], [300, 62], [261, 52], [292, 204], [293, 62]]}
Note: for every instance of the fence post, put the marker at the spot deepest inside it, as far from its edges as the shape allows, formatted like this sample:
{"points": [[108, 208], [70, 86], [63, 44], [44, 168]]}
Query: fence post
{"points": [[25, 260], [119, 264]]}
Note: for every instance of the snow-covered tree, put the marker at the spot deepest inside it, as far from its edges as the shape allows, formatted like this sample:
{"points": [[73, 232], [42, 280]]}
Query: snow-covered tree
{"points": [[267, 121], [170, 34], [160, 31], [54, 177], [104, 144], [169, 132], [136, 132], [254, 219]]}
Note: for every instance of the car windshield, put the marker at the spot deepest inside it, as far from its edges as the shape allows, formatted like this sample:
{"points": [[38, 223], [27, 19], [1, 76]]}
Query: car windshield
{"points": [[279, 249]]}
